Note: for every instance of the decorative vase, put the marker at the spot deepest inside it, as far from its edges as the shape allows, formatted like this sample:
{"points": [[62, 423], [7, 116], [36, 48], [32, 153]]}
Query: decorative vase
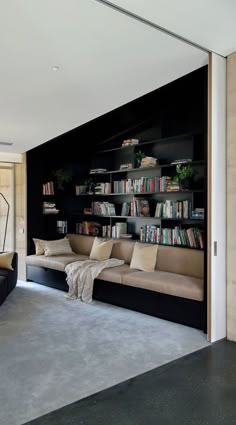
{"points": [[185, 184]]}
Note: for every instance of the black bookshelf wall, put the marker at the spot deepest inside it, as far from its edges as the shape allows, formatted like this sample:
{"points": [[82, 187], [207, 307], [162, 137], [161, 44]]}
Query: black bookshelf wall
{"points": [[177, 108]]}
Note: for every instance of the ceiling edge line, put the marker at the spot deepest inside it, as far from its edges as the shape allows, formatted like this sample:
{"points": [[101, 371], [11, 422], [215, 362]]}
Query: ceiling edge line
{"points": [[153, 25]]}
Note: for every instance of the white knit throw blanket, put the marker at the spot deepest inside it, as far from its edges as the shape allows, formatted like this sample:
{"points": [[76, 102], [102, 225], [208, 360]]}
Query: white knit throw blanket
{"points": [[81, 275]]}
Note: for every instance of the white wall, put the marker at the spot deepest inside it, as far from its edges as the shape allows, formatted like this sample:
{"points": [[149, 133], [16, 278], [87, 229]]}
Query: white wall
{"points": [[217, 180]]}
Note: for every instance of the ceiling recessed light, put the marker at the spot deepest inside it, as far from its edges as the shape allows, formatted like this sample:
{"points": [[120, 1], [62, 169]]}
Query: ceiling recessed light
{"points": [[55, 68], [6, 143]]}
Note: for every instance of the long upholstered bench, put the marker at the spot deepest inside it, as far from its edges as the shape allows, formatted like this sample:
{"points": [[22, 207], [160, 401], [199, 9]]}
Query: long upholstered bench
{"points": [[173, 291]]}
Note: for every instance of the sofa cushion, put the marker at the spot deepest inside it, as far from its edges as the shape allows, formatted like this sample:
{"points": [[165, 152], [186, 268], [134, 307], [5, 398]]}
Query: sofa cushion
{"points": [[185, 261], [123, 250], [101, 249], [81, 244], [115, 274], [144, 257], [56, 262], [167, 283], [39, 246], [57, 247]]}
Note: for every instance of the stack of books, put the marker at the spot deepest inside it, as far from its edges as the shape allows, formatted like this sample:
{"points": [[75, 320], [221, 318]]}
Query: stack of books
{"points": [[198, 213], [172, 186], [181, 161], [130, 142], [125, 166], [148, 161], [103, 188], [49, 208]]}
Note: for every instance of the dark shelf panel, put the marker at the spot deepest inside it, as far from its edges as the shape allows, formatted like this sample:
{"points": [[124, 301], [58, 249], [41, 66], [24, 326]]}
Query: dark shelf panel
{"points": [[157, 167], [125, 131], [148, 142]]}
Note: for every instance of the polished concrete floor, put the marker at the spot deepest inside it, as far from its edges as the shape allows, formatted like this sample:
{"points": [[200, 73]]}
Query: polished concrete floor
{"points": [[198, 389]]}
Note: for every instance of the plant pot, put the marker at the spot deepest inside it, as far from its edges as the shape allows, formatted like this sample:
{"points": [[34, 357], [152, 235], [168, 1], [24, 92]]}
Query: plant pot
{"points": [[185, 184]]}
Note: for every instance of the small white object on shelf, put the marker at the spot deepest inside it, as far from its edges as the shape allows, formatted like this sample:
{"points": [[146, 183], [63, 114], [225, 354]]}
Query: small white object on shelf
{"points": [[126, 236]]}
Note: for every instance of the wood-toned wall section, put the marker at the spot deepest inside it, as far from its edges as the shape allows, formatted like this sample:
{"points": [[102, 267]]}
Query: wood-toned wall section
{"points": [[20, 216], [231, 197]]}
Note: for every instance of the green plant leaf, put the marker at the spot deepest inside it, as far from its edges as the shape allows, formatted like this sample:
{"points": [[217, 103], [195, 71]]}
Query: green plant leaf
{"points": [[184, 171]]}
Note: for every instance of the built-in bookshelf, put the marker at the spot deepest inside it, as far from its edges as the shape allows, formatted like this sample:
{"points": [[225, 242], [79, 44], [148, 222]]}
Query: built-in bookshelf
{"points": [[148, 200]]}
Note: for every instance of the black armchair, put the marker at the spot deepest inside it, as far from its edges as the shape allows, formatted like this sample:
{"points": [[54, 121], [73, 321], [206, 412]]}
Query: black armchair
{"points": [[8, 279]]}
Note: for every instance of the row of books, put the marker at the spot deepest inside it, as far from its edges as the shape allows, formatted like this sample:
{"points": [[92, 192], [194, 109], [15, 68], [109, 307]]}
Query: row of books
{"points": [[103, 208], [139, 207], [88, 228], [48, 188], [62, 226], [143, 184], [146, 184], [93, 228], [174, 209], [192, 237], [118, 231]]}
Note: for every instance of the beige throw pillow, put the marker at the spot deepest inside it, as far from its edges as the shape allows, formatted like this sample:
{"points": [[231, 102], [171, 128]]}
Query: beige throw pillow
{"points": [[6, 260], [58, 247], [101, 249], [39, 246], [144, 257]]}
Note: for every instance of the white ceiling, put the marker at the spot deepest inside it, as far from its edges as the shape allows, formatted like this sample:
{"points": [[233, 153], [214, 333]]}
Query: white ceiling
{"points": [[208, 23], [106, 59]]}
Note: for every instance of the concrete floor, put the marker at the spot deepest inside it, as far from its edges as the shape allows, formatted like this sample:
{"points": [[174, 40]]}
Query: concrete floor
{"points": [[199, 389], [54, 351]]}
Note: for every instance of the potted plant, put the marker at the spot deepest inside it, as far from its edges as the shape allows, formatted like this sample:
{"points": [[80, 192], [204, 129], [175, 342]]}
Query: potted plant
{"points": [[62, 177], [139, 156], [185, 173]]}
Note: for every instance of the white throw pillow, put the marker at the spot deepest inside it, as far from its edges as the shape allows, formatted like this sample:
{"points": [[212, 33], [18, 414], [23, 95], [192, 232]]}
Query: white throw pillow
{"points": [[144, 257], [101, 249], [58, 247]]}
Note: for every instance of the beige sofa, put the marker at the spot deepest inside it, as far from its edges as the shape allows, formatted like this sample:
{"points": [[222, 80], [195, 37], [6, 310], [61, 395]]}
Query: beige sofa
{"points": [[175, 290]]}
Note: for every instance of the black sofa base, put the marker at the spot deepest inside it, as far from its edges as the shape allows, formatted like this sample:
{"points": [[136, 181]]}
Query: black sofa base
{"points": [[48, 277], [179, 310], [8, 279], [3, 289]]}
